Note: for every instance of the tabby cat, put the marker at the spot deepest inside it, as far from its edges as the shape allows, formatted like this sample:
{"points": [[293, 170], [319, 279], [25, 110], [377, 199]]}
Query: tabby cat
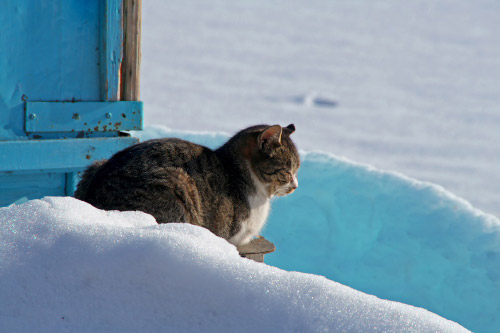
{"points": [[226, 190]]}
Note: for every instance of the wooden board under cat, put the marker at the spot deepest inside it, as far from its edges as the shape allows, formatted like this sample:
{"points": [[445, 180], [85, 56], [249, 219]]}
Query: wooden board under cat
{"points": [[256, 249]]}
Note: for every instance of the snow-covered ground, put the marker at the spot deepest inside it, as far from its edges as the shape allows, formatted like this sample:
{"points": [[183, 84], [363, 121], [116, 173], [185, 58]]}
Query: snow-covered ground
{"points": [[67, 266], [410, 86]]}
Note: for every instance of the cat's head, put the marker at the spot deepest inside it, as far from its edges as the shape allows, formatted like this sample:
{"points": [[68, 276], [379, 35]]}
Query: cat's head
{"points": [[273, 158]]}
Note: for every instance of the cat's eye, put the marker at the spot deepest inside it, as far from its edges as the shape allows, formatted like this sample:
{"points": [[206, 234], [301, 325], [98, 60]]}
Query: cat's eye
{"points": [[285, 177]]}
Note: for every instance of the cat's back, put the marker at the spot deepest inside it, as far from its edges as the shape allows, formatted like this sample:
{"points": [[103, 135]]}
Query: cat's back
{"points": [[160, 153], [141, 166], [167, 178]]}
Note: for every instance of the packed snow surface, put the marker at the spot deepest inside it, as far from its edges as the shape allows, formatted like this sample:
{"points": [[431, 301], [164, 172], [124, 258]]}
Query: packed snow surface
{"points": [[67, 266], [385, 234], [410, 86]]}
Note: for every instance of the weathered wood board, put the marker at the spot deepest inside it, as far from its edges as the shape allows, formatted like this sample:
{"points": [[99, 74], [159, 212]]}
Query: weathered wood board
{"points": [[256, 249]]}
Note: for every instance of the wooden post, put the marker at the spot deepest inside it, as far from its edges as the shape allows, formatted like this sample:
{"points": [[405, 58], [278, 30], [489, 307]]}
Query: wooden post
{"points": [[256, 249], [130, 71]]}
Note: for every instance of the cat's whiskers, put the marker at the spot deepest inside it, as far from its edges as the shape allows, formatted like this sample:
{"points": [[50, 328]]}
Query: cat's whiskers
{"points": [[287, 188]]}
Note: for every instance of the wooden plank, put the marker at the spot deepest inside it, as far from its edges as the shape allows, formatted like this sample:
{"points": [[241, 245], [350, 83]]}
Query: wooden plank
{"points": [[256, 249], [57, 155], [49, 50], [258, 257], [83, 116], [110, 54], [132, 13], [257, 245]]}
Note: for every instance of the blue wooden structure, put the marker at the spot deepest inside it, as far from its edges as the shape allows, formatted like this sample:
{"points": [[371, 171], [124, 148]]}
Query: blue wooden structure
{"points": [[62, 104]]}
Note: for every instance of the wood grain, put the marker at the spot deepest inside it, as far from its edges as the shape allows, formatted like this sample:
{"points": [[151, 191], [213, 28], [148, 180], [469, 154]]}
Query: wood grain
{"points": [[256, 249], [130, 71]]}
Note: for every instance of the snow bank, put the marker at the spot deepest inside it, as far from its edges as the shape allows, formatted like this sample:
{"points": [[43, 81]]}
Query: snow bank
{"points": [[387, 235], [391, 236], [67, 266]]}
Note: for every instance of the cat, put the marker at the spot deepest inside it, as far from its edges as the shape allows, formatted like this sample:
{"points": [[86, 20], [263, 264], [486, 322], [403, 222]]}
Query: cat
{"points": [[227, 190]]}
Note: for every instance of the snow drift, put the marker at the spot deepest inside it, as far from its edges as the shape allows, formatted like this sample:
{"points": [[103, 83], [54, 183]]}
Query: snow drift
{"points": [[385, 234], [67, 266], [391, 236]]}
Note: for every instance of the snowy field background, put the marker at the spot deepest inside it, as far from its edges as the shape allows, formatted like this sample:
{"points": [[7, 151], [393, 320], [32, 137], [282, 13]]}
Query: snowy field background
{"points": [[410, 86]]}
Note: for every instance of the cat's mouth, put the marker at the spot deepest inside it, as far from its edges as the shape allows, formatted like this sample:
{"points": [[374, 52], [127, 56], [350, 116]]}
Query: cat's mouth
{"points": [[289, 189]]}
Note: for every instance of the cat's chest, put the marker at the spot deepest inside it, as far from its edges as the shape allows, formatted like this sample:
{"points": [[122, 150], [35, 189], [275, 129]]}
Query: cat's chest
{"points": [[251, 226], [259, 210]]}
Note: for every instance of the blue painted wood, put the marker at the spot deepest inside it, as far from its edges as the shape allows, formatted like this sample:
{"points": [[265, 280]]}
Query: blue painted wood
{"points": [[56, 155], [18, 188], [83, 116], [49, 51], [72, 179], [53, 52], [74, 135], [111, 40]]}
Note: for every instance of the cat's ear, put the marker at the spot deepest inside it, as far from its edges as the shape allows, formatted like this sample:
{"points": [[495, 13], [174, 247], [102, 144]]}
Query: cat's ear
{"points": [[289, 129], [270, 134]]}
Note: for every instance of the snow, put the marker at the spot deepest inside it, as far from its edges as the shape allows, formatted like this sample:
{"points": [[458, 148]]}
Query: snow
{"points": [[67, 266], [393, 237], [410, 86], [404, 86], [385, 234]]}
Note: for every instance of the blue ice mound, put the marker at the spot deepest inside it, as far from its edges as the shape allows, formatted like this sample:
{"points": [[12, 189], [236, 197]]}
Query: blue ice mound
{"points": [[385, 234], [390, 236]]}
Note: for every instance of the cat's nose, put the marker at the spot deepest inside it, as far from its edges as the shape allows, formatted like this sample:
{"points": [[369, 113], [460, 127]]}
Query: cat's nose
{"points": [[293, 185]]}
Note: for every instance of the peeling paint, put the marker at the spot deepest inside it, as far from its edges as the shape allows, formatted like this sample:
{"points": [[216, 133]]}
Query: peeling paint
{"points": [[63, 117]]}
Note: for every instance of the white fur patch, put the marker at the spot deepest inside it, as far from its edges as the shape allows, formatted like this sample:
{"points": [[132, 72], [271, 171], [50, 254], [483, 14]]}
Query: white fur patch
{"points": [[295, 181], [259, 210]]}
